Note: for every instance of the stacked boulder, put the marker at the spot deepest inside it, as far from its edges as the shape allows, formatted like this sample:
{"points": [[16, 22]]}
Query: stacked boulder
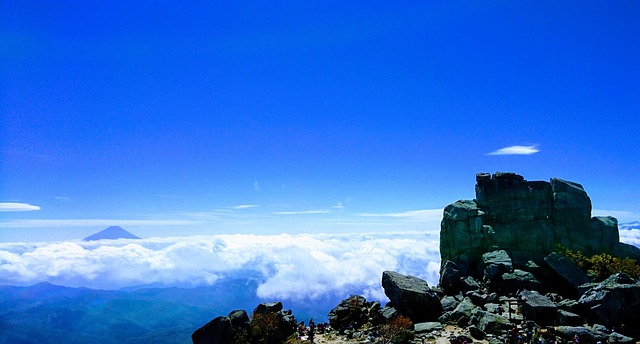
{"points": [[270, 324], [526, 220]]}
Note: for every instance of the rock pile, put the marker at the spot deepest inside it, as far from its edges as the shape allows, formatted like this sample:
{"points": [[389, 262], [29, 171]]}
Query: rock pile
{"points": [[269, 324]]}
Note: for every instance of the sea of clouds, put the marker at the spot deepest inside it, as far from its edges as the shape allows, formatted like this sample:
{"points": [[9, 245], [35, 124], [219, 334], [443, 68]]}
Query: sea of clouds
{"points": [[299, 267], [285, 266]]}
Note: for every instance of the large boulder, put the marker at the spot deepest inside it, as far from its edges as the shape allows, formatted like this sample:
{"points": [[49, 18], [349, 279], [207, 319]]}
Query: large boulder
{"points": [[489, 322], [520, 280], [585, 334], [538, 308], [566, 270], [217, 331], [615, 302], [411, 296], [570, 202]]}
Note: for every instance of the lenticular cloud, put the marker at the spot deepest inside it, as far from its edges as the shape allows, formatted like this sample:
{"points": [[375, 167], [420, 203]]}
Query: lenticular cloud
{"points": [[287, 266]]}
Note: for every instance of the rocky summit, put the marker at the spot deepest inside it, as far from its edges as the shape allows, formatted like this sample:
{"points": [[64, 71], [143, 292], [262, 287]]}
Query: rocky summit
{"points": [[526, 219], [501, 280]]}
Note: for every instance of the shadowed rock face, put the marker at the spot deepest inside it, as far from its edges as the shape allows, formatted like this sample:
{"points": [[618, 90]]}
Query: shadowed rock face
{"points": [[526, 219]]}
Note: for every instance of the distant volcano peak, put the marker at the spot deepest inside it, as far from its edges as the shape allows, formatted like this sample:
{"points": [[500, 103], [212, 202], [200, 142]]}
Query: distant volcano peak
{"points": [[113, 232]]}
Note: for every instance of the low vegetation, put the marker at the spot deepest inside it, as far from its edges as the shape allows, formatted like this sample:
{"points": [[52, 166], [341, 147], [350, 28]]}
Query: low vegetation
{"points": [[601, 265]]}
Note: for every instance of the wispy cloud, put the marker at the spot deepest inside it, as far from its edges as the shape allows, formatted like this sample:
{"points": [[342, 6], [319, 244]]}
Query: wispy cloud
{"points": [[425, 215], [338, 206], [246, 206], [516, 150], [302, 212], [11, 206], [91, 223]]}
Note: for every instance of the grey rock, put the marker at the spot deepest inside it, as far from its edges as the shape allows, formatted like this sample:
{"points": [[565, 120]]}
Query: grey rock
{"points": [[520, 280], [566, 270], [388, 313], [489, 322], [584, 333], [265, 308], [427, 327], [614, 301], [217, 331], [570, 202], [464, 308], [566, 318], [538, 308], [620, 338], [476, 333], [449, 276], [411, 296], [449, 303]]}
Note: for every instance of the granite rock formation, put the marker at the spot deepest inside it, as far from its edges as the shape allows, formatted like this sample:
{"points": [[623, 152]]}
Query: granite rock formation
{"points": [[525, 219]]}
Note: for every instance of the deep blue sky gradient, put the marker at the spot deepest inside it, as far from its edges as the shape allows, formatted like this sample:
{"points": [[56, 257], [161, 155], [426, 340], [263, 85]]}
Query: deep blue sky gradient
{"points": [[165, 111]]}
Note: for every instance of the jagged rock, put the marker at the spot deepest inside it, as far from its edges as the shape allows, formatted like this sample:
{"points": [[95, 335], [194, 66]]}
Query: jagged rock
{"points": [[411, 296], [489, 322], [584, 333], [566, 318], [620, 338], [477, 297], [520, 280], [449, 276], [271, 307], [449, 303], [427, 327], [469, 284], [217, 331], [352, 312], [614, 301], [387, 313], [569, 305], [538, 307], [464, 308], [566, 270], [476, 333]]}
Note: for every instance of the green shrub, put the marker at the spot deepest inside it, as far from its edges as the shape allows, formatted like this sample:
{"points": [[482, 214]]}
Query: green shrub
{"points": [[601, 265]]}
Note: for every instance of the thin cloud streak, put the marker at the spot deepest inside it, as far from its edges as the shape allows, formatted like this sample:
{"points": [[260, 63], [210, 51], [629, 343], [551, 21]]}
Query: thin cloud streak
{"points": [[91, 223], [302, 212], [426, 214], [516, 150], [246, 206], [14, 206]]}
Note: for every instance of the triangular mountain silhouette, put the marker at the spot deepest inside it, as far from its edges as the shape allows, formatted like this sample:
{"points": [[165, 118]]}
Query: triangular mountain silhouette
{"points": [[113, 232]]}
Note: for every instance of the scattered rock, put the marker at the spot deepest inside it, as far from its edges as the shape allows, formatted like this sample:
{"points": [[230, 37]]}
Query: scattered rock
{"points": [[538, 307], [427, 327], [411, 296]]}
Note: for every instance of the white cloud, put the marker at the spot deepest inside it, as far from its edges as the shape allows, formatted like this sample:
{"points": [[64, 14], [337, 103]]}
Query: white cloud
{"points": [[338, 206], [302, 212], [631, 236], [11, 206], [296, 267], [245, 206], [418, 215], [90, 223], [516, 150]]}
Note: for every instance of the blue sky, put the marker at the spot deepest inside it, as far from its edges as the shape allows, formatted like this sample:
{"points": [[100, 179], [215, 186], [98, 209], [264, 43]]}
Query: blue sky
{"points": [[204, 118]]}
